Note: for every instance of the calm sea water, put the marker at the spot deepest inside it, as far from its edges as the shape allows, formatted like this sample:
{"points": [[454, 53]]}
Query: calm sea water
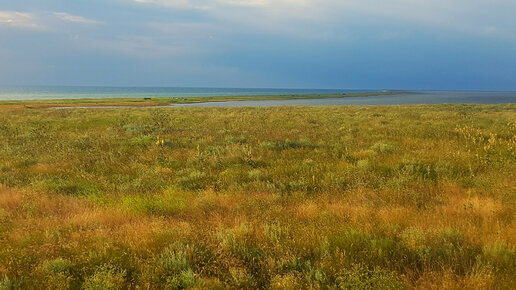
{"points": [[416, 97], [41, 93]]}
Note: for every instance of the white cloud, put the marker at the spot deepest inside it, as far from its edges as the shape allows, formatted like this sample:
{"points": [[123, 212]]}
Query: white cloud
{"points": [[19, 20], [75, 18], [249, 3], [46, 21], [457, 16], [294, 16], [185, 4]]}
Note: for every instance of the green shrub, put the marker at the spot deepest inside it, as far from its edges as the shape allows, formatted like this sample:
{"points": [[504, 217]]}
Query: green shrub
{"points": [[106, 277], [500, 255], [6, 284], [382, 148], [173, 260], [184, 280], [140, 142], [5, 221], [256, 175], [232, 176], [361, 277], [175, 267], [363, 164], [194, 181], [233, 239], [73, 186], [274, 232], [315, 277], [419, 171], [235, 140], [241, 278], [285, 145], [453, 237], [58, 265], [168, 203], [161, 120], [371, 249]]}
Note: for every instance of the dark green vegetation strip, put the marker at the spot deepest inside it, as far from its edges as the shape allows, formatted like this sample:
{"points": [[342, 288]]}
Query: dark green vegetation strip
{"points": [[386, 197]]}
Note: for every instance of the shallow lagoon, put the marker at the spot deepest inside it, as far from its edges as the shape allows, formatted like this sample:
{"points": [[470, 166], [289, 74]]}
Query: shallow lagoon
{"points": [[420, 97], [403, 98]]}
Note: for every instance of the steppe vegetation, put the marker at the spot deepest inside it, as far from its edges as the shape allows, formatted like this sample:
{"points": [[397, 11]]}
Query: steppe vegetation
{"points": [[378, 197]]}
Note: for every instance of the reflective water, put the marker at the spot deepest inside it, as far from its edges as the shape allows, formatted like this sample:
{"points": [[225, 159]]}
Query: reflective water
{"points": [[50, 92], [419, 97], [416, 97]]}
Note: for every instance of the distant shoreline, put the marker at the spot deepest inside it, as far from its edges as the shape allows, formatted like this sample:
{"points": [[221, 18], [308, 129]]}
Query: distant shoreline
{"points": [[334, 99], [168, 101]]}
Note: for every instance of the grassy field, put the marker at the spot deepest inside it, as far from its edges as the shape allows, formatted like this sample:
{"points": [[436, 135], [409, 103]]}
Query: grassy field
{"points": [[161, 101], [350, 197]]}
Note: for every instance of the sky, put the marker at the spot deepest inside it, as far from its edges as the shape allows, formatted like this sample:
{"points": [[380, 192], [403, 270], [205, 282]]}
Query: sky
{"points": [[344, 44]]}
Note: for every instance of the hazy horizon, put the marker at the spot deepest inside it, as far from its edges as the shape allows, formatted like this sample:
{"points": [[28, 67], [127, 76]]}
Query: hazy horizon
{"points": [[247, 88]]}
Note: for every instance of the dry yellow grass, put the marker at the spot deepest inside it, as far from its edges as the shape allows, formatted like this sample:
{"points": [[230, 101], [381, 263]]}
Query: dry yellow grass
{"points": [[337, 197]]}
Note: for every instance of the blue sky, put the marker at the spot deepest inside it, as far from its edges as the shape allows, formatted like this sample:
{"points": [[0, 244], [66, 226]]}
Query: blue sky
{"points": [[377, 44]]}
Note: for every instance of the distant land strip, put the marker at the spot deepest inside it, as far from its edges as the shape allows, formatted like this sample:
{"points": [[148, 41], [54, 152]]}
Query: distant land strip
{"points": [[165, 101]]}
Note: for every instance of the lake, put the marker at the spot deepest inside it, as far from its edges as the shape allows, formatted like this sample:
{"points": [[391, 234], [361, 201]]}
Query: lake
{"points": [[417, 97]]}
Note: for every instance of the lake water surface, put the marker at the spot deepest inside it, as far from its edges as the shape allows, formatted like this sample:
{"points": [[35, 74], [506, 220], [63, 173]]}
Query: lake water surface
{"points": [[418, 97]]}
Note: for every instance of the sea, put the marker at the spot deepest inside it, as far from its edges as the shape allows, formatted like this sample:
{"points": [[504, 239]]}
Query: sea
{"points": [[56, 92], [403, 97]]}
